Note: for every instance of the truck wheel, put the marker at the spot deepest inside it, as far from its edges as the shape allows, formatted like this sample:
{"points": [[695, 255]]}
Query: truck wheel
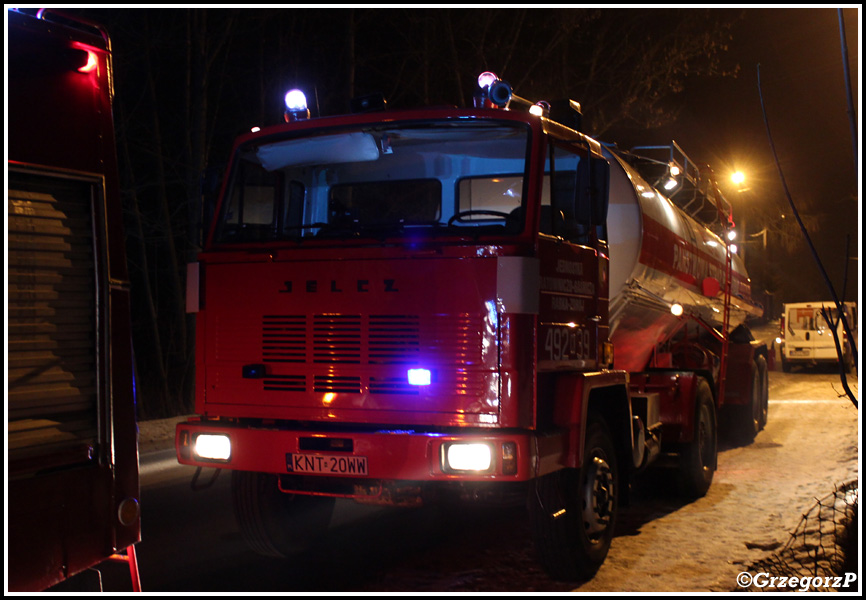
{"points": [[573, 511], [698, 458], [747, 419], [764, 378], [274, 523]]}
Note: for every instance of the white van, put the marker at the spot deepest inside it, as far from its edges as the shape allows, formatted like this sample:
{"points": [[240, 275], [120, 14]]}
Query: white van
{"points": [[806, 338]]}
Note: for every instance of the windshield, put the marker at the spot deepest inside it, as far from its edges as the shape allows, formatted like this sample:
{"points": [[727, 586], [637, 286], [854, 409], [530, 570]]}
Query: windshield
{"points": [[377, 181]]}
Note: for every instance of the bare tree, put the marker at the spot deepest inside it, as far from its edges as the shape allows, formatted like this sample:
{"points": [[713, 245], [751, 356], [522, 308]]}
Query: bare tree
{"points": [[190, 80]]}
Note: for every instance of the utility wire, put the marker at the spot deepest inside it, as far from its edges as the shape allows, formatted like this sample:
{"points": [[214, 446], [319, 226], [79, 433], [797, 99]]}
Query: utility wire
{"points": [[806, 235]]}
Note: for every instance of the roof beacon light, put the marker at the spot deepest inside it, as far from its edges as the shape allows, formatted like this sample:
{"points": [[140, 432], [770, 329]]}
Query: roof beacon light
{"points": [[296, 106], [486, 79], [492, 92], [481, 98], [540, 108]]}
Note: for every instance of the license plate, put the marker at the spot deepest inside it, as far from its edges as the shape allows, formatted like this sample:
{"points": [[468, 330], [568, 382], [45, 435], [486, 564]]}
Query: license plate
{"points": [[326, 464], [799, 353]]}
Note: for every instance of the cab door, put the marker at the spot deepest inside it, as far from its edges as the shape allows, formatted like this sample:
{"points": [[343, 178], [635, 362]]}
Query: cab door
{"points": [[573, 307]]}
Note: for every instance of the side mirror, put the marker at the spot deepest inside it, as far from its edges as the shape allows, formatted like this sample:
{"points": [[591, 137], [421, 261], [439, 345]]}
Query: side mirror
{"points": [[599, 182], [591, 196]]}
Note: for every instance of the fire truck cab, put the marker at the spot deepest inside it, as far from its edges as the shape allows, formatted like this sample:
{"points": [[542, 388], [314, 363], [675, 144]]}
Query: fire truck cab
{"points": [[402, 307]]}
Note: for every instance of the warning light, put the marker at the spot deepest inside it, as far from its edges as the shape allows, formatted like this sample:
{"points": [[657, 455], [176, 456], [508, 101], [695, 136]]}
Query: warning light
{"points": [[486, 79], [420, 377], [91, 63], [296, 106]]}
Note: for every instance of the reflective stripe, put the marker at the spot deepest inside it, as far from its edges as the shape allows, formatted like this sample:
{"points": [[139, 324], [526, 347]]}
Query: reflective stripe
{"points": [[517, 284]]}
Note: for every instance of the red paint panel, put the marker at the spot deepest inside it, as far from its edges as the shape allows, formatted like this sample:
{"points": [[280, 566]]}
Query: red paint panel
{"points": [[669, 253], [338, 346], [573, 306]]}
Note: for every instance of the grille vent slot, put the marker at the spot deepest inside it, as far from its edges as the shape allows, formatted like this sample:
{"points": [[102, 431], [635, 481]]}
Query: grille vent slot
{"points": [[285, 383], [394, 339], [337, 339], [329, 383], [284, 338], [392, 386]]}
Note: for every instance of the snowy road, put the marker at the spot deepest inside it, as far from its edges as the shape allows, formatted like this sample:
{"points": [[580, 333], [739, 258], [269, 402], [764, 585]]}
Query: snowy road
{"points": [[759, 494], [663, 544]]}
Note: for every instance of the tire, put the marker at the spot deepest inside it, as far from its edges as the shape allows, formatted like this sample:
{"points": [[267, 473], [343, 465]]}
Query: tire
{"points": [[272, 522], [698, 459], [764, 378], [747, 419], [573, 511]]}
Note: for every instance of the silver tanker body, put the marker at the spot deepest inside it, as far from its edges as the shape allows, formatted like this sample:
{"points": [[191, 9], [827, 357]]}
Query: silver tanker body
{"points": [[661, 256]]}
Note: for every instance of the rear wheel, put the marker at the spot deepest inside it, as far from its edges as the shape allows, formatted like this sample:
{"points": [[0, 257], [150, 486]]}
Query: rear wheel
{"points": [[274, 523], [764, 378], [748, 419], [698, 458], [573, 511]]}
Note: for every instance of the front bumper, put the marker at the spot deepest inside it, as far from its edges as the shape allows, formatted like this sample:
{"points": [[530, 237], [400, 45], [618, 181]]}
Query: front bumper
{"points": [[386, 454]]}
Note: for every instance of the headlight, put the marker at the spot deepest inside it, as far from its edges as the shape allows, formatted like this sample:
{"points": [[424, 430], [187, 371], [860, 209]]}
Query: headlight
{"points": [[464, 457], [209, 446]]}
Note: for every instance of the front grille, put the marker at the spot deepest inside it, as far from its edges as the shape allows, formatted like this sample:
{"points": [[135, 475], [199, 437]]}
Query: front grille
{"points": [[337, 353]]}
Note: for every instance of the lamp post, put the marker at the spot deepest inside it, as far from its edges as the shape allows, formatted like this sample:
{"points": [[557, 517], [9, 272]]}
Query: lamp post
{"points": [[738, 178]]}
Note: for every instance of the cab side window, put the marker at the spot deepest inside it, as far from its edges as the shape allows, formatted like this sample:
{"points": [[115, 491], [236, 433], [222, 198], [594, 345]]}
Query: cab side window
{"points": [[574, 207]]}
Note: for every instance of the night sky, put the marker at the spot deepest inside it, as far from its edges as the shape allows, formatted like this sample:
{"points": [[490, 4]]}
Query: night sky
{"points": [[719, 118], [804, 93]]}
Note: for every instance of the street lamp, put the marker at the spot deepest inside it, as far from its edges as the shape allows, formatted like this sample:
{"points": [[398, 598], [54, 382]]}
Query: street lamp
{"points": [[738, 178]]}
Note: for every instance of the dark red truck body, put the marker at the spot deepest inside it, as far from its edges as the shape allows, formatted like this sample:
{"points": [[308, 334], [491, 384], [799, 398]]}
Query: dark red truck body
{"points": [[72, 460]]}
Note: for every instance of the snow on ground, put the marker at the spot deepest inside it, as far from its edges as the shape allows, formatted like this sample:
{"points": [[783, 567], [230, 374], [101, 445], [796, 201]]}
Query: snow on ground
{"points": [[758, 496], [663, 543]]}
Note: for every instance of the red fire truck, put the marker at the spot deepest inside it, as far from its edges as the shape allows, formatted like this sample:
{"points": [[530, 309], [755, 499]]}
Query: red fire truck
{"points": [[72, 458], [473, 304]]}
